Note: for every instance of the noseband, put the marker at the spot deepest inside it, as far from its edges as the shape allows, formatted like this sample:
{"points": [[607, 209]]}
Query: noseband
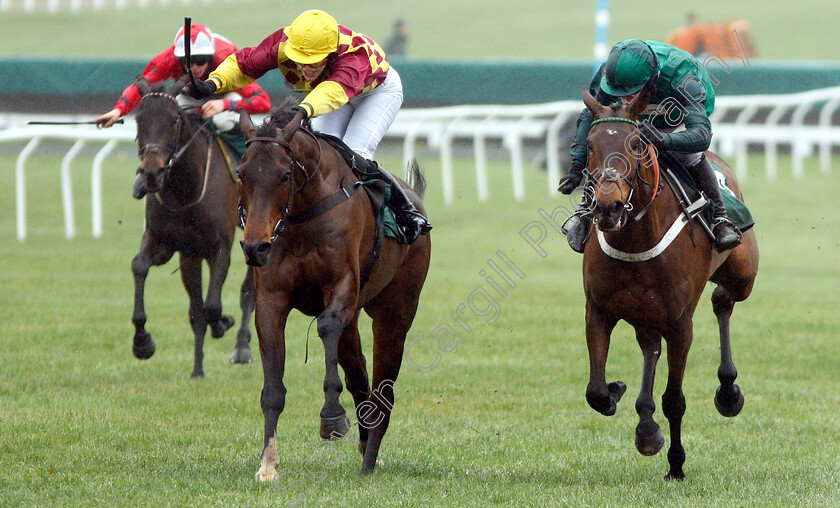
{"points": [[612, 175]]}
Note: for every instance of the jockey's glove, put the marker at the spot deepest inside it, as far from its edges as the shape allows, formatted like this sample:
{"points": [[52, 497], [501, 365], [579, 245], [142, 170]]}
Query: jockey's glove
{"points": [[571, 181], [301, 108], [661, 140], [200, 89]]}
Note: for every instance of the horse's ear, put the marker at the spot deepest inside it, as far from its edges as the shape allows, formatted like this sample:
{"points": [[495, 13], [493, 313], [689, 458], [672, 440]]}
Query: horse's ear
{"points": [[292, 127], [641, 101], [592, 103], [247, 125], [142, 86], [176, 87]]}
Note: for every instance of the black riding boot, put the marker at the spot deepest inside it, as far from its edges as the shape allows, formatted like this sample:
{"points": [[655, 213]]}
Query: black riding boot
{"points": [[138, 189], [412, 222], [726, 234]]}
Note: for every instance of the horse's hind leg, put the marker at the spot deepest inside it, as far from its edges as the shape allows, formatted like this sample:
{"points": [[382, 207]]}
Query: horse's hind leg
{"points": [[151, 253], [352, 361], [735, 280], [191, 277], [729, 400], [242, 350], [649, 438], [388, 346]]}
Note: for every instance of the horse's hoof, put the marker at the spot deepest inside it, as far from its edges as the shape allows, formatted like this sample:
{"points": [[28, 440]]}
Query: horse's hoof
{"points": [[266, 475], [219, 328], [362, 447], [650, 444], [242, 355], [197, 374], [335, 427], [729, 403], [143, 347], [617, 389], [677, 476], [367, 469]]}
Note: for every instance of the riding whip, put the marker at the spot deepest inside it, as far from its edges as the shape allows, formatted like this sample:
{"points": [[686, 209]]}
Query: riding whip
{"points": [[92, 122], [187, 43]]}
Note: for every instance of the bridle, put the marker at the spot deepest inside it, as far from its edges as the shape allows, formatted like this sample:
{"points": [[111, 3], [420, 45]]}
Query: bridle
{"points": [[293, 164], [175, 153], [612, 175]]}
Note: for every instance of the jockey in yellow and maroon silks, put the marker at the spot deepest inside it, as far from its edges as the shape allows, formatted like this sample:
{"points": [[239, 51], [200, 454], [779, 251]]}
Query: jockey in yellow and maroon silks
{"points": [[351, 90]]}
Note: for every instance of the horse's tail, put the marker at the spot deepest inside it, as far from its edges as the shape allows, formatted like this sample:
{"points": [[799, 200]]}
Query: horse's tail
{"points": [[415, 178]]}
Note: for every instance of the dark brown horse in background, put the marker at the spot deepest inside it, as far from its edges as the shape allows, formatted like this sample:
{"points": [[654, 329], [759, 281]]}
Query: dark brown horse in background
{"points": [[310, 236], [191, 208], [626, 277]]}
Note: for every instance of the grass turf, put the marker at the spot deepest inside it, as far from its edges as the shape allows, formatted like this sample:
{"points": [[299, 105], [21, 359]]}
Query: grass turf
{"points": [[501, 420]]}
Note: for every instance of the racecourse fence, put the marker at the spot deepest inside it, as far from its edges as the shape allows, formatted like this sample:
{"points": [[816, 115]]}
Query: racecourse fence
{"points": [[802, 124], [82, 5]]}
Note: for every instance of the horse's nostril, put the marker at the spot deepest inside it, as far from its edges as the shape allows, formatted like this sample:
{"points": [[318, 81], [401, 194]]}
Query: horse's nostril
{"points": [[263, 248]]}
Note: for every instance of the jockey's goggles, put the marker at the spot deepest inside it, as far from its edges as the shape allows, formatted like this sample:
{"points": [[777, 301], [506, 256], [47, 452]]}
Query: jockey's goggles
{"points": [[196, 60]]}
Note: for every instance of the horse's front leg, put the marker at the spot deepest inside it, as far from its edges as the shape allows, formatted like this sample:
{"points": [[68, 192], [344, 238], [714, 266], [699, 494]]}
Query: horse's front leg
{"points": [[191, 277], [212, 306], [602, 397], [151, 253], [338, 313], [649, 438], [247, 298], [272, 310], [673, 400]]}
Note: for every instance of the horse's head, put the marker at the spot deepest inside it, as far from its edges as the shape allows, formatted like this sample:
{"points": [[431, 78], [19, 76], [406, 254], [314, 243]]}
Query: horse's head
{"points": [[159, 126], [616, 155], [272, 172]]}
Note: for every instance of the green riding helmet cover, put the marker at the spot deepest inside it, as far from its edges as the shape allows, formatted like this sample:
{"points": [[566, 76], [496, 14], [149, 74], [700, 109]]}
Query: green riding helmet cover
{"points": [[630, 65]]}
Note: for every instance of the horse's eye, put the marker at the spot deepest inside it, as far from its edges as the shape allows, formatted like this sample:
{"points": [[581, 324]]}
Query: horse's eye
{"points": [[285, 176]]}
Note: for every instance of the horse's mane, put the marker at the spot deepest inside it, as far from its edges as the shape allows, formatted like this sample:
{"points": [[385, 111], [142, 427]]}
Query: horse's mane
{"points": [[279, 118]]}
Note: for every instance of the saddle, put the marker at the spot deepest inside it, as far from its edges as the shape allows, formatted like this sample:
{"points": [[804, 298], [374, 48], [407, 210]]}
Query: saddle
{"points": [[693, 202], [378, 189]]}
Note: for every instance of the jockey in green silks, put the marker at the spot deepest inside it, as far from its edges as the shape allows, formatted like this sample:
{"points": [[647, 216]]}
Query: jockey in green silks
{"points": [[676, 121]]}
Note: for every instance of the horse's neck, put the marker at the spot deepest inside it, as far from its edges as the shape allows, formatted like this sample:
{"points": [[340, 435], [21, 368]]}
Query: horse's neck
{"points": [[325, 174]]}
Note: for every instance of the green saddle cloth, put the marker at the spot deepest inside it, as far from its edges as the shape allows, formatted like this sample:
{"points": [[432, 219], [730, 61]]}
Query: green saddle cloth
{"points": [[385, 217], [738, 212]]}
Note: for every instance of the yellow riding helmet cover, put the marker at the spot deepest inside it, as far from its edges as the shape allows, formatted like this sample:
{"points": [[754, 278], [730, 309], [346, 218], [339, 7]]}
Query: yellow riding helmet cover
{"points": [[312, 36]]}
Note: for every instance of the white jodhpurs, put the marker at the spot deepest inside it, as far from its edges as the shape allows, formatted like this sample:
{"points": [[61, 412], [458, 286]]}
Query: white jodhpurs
{"points": [[363, 122], [223, 121]]}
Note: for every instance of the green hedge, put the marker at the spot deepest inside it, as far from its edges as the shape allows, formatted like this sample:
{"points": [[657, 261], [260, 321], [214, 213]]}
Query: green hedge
{"points": [[426, 82]]}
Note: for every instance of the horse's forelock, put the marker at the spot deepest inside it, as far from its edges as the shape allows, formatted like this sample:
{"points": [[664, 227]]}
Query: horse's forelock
{"points": [[280, 117]]}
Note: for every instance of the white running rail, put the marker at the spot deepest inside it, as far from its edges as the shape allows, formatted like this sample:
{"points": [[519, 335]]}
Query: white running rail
{"points": [[801, 123]]}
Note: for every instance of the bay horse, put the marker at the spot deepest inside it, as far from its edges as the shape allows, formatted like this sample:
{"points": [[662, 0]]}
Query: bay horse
{"points": [[309, 234], [631, 273], [191, 208]]}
